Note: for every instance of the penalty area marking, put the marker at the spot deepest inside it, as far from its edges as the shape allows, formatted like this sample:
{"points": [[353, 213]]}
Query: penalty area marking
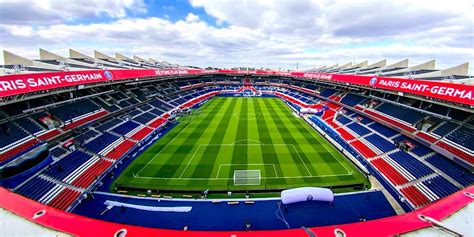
{"points": [[274, 169]]}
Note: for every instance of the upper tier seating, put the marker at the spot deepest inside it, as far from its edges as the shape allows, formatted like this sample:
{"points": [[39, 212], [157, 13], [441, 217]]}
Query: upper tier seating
{"points": [[408, 115], [448, 167], [29, 125], [110, 108], [144, 118], [342, 119], [57, 151], [10, 133], [86, 135], [156, 111], [366, 120], [327, 92], [69, 111], [352, 99], [463, 136], [445, 128], [109, 124]]}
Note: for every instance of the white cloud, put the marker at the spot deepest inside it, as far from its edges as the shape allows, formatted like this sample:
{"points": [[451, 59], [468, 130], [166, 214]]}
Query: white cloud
{"points": [[264, 33], [57, 11], [192, 18]]}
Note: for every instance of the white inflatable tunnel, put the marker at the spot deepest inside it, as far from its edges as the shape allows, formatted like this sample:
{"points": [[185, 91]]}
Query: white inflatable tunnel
{"points": [[306, 194]]}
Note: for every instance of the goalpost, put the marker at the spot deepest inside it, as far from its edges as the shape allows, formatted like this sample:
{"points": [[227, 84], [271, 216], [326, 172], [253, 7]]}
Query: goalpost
{"points": [[247, 177]]}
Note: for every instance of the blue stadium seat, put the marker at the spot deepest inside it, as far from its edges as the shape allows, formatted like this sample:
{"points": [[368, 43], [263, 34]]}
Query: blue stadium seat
{"points": [[107, 125], [410, 163], [75, 109], [353, 99], [453, 170], [144, 118], [126, 127], [57, 151], [85, 135], [327, 92], [409, 115], [419, 149], [383, 129], [67, 164], [359, 129], [380, 142], [99, 143], [343, 119], [35, 188], [10, 133], [29, 125], [445, 128], [440, 186], [463, 136]]}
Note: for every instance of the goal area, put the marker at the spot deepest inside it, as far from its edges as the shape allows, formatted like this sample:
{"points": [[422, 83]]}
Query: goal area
{"points": [[247, 177]]}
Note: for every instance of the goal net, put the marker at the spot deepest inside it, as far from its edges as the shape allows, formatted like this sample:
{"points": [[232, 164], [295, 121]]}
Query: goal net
{"points": [[247, 177]]}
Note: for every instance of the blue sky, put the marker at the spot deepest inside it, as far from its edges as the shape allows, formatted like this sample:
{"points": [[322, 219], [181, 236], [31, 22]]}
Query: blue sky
{"points": [[256, 33], [168, 9]]}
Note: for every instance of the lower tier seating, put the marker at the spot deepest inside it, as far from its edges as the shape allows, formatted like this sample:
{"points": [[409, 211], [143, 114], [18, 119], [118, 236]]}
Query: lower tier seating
{"points": [[391, 173], [363, 149], [64, 199], [411, 164], [415, 196], [121, 149], [91, 173], [440, 186], [5, 155]]}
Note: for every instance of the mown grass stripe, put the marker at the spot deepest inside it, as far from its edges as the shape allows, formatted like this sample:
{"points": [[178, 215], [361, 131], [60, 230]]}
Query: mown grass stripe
{"points": [[179, 151], [287, 137], [269, 154], [239, 156], [205, 161]]}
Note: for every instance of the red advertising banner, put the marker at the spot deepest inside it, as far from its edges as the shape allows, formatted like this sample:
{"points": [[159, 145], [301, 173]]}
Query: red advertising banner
{"points": [[23, 83], [434, 89]]}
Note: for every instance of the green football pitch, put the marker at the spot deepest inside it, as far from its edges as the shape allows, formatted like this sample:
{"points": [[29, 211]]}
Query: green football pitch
{"points": [[240, 144]]}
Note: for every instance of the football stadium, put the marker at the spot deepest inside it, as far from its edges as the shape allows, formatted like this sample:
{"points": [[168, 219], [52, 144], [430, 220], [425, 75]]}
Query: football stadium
{"points": [[105, 144]]}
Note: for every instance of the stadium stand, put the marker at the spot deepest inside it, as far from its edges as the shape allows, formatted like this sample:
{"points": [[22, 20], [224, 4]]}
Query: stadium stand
{"points": [[402, 113], [110, 125]]}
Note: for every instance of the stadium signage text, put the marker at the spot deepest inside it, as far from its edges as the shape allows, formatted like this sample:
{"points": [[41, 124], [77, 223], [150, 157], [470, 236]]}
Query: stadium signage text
{"points": [[427, 89], [23, 83], [46, 81]]}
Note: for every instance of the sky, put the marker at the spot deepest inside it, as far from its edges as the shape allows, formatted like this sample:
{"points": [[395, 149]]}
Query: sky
{"points": [[246, 33]]}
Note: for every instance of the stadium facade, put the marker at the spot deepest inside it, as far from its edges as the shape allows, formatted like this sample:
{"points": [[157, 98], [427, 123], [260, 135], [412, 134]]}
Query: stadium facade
{"points": [[131, 147]]}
